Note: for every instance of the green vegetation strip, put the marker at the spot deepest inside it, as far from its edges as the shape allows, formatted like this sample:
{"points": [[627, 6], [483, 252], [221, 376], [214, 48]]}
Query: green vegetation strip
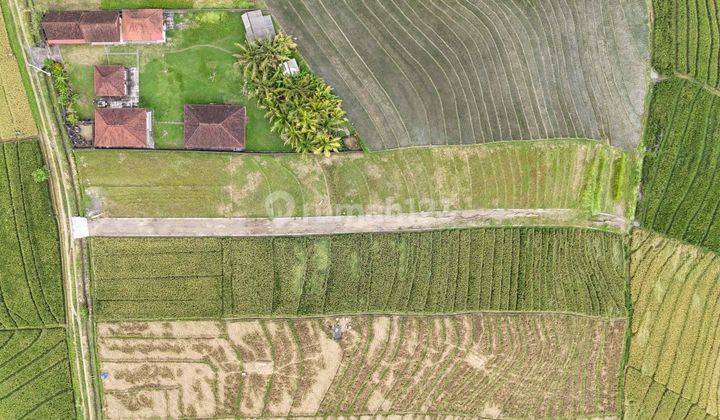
{"points": [[35, 375], [575, 174], [675, 347], [30, 285], [685, 39], [681, 181], [512, 269]]}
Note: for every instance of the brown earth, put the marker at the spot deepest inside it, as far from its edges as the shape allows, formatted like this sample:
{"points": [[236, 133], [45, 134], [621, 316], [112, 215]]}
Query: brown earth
{"points": [[489, 364]]}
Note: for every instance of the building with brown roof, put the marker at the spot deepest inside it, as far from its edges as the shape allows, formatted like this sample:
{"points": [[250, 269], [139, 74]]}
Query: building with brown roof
{"points": [[123, 128], [144, 25], [111, 81], [89, 27], [215, 127]]}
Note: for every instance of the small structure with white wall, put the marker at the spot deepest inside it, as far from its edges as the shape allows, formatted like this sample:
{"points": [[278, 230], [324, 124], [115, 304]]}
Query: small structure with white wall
{"points": [[291, 67]]}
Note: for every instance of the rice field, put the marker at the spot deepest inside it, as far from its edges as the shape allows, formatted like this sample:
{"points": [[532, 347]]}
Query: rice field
{"points": [[31, 292], [463, 71], [674, 357], [485, 364], [35, 375], [510, 269], [16, 119], [685, 39], [681, 187], [581, 175]]}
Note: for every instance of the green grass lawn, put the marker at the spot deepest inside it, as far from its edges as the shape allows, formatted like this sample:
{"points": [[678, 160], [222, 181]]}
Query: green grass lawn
{"points": [[196, 66]]}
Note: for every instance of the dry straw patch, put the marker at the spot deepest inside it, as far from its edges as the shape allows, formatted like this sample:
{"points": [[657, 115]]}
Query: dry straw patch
{"points": [[382, 366]]}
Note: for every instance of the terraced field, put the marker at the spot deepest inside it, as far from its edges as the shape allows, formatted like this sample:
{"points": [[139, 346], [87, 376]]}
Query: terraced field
{"points": [[16, 120], [30, 286], [572, 174], [535, 269], [685, 39], [35, 375], [674, 361], [473, 71], [383, 365], [681, 185]]}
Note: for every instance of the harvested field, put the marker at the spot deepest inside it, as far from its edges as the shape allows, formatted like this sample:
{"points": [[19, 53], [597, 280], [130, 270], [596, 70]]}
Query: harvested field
{"points": [[674, 362], [490, 364], [31, 292], [16, 120], [473, 71], [681, 186], [685, 39], [35, 375], [534, 269], [583, 175]]}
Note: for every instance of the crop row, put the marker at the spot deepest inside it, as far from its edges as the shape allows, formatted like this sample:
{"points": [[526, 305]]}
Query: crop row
{"points": [[570, 174], [16, 120], [536, 269], [35, 375], [650, 399], [31, 285], [686, 39], [460, 71], [676, 320], [483, 364], [681, 186]]}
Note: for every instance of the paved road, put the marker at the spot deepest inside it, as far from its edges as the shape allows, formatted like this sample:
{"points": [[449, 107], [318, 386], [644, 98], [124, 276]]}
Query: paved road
{"points": [[117, 227]]}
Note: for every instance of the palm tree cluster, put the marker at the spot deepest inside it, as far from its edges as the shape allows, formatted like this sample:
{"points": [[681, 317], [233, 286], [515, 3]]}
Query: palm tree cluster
{"points": [[66, 97], [301, 107]]}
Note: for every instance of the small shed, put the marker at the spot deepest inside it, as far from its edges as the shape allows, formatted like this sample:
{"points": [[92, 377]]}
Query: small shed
{"points": [[291, 67], [258, 27]]}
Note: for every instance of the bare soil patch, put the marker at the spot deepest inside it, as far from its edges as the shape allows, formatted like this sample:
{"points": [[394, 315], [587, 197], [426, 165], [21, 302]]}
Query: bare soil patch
{"points": [[488, 364]]}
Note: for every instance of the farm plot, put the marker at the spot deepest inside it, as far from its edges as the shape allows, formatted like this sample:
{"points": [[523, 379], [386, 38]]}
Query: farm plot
{"points": [[30, 285], [489, 364], [35, 375], [16, 120], [515, 269], [469, 71], [681, 185], [685, 39], [583, 175], [674, 359]]}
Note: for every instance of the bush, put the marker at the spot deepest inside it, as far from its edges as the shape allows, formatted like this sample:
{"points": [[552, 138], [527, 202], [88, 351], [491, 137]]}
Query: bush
{"points": [[66, 97], [301, 107]]}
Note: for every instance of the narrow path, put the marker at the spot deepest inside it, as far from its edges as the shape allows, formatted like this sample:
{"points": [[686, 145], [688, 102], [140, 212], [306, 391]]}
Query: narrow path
{"points": [[325, 225]]}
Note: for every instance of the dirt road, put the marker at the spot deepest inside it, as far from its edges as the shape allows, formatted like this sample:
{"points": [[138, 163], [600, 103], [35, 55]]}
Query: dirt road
{"points": [[322, 225]]}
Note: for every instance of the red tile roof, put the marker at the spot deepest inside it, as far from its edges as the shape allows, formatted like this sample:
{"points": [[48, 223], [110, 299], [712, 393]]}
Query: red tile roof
{"points": [[144, 25], [121, 128], [110, 81], [81, 27], [215, 127]]}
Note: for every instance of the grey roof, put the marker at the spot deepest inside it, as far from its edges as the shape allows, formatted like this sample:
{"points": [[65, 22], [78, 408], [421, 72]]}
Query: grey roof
{"points": [[257, 26]]}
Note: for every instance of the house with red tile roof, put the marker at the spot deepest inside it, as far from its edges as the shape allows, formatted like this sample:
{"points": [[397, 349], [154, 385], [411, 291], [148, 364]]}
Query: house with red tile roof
{"points": [[111, 81], [143, 26], [88, 27], [215, 127], [123, 128]]}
